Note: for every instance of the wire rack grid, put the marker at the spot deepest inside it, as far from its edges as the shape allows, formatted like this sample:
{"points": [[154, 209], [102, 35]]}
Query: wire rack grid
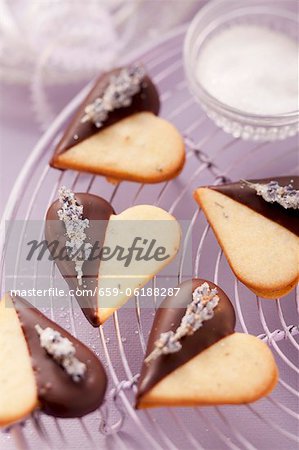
{"points": [[212, 156]]}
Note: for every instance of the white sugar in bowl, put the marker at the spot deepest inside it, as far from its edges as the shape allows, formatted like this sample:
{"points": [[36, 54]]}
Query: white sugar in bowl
{"points": [[241, 63]]}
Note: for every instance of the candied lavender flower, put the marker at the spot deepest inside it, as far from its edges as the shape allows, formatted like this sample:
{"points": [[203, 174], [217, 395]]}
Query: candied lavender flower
{"points": [[167, 343], [72, 215], [118, 94], [62, 351], [272, 192], [198, 311]]}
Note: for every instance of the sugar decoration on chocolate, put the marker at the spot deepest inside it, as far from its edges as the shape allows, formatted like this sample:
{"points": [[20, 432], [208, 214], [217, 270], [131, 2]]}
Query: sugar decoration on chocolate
{"points": [[71, 213], [62, 351], [272, 192], [198, 311], [118, 94]]}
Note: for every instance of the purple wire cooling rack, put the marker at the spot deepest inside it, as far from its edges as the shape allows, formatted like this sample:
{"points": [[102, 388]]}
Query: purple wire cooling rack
{"points": [[211, 156]]}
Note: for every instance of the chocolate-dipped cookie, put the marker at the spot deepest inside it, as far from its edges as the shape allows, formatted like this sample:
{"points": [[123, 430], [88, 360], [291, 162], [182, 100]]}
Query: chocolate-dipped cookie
{"points": [[44, 367], [131, 248], [194, 357], [116, 132], [256, 223]]}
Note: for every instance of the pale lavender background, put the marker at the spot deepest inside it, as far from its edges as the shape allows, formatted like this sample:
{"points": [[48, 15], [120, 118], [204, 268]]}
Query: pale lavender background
{"points": [[19, 130]]}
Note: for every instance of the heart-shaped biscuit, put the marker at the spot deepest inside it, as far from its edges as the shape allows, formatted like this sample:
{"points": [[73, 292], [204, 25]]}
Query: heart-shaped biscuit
{"points": [[209, 365], [32, 378], [259, 237], [117, 133], [132, 247]]}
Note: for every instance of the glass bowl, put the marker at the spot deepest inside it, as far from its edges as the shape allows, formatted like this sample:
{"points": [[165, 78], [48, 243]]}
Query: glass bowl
{"points": [[212, 19]]}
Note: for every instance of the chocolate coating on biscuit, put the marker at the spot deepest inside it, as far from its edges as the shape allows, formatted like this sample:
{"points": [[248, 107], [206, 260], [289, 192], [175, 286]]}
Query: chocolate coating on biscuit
{"points": [[97, 211], [147, 99], [168, 317], [241, 193], [58, 394]]}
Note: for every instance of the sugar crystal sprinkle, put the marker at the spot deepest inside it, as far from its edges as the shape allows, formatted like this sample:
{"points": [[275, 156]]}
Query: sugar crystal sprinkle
{"points": [[272, 192], [71, 213], [198, 311], [62, 351], [118, 94]]}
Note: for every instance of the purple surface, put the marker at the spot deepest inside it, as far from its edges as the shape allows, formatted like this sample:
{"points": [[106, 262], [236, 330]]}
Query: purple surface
{"points": [[270, 423]]}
